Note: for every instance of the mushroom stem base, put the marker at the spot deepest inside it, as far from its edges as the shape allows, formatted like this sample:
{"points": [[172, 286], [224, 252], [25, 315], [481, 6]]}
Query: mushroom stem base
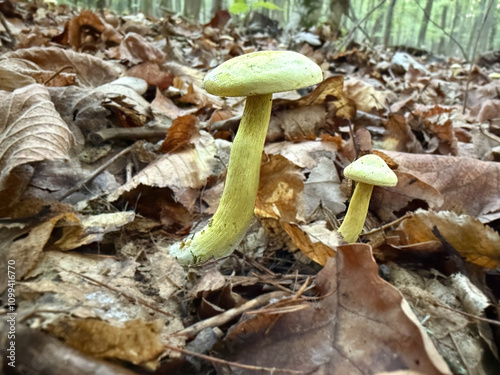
{"points": [[234, 215], [355, 217]]}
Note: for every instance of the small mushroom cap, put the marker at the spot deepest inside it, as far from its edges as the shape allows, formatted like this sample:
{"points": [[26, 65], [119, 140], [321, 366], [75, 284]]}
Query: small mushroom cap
{"points": [[263, 73], [371, 169]]}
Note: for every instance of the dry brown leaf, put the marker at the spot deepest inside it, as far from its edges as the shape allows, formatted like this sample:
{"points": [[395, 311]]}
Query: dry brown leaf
{"points": [[76, 30], [315, 250], [153, 74], [280, 190], [439, 122], [322, 188], [467, 185], [136, 341], [30, 129], [136, 49], [92, 228], [366, 96], [90, 71], [363, 325], [181, 132], [329, 93], [477, 243], [304, 154], [55, 357], [184, 172], [166, 106], [27, 251], [399, 136]]}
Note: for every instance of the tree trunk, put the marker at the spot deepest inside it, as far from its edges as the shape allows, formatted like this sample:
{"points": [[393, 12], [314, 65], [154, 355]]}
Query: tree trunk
{"points": [[444, 38], [192, 9], [425, 22], [388, 22], [337, 9]]}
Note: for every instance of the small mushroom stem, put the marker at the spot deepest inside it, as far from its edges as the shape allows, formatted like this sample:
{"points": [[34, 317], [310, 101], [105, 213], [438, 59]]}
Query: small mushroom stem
{"points": [[235, 212], [356, 213]]}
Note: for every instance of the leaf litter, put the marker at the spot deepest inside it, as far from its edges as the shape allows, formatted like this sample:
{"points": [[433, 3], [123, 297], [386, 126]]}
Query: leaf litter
{"points": [[94, 279]]}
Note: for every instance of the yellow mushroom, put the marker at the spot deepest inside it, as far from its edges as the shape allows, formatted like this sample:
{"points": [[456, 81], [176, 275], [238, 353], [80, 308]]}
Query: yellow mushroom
{"points": [[256, 75], [368, 171]]}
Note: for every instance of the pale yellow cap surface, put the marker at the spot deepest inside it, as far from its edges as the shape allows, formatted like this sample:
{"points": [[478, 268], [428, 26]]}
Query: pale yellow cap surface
{"points": [[371, 169], [262, 73]]}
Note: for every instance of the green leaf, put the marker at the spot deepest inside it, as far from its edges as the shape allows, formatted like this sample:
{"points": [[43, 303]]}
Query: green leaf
{"points": [[238, 7], [266, 5]]}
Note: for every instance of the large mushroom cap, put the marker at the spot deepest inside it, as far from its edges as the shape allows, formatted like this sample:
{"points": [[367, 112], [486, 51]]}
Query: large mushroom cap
{"points": [[371, 169], [263, 73]]}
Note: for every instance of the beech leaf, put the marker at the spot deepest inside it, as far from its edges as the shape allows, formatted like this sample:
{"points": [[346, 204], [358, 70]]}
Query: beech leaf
{"points": [[30, 129]]}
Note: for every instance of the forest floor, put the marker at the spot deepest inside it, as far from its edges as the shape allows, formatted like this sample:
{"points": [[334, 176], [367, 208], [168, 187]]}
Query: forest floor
{"points": [[111, 150]]}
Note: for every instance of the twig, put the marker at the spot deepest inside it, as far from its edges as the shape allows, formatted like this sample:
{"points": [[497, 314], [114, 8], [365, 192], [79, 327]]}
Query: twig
{"points": [[229, 315], [104, 135], [94, 174], [57, 73], [272, 370]]}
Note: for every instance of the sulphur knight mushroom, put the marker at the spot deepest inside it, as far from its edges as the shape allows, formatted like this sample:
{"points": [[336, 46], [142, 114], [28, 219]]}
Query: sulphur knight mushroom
{"points": [[257, 76]]}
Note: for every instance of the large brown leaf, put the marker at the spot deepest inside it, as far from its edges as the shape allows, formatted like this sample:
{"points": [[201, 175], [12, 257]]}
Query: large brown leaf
{"points": [[89, 70], [363, 325], [30, 129]]}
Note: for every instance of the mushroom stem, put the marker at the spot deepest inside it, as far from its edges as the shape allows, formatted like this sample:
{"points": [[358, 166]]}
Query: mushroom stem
{"points": [[235, 212], [356, 213]]}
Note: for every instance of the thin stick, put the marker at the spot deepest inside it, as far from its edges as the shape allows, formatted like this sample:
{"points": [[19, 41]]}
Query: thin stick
{"points": [[229, 315], [104, 135], [94, 174], [271, 370]]}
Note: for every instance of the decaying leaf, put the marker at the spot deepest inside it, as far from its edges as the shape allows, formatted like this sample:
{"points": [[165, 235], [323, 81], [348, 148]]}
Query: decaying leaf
{"points": [[181, 132], [467, 185], [440, 301], [315, 241], [136, 341], [366, 96], [361, 325], [30, 129], [92, 228], [181, 172], [280, 190], [89, 70], [476, 242]]}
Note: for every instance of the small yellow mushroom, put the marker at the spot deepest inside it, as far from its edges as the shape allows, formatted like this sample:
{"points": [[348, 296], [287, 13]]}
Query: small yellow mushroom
{"points": [[368, 171]]}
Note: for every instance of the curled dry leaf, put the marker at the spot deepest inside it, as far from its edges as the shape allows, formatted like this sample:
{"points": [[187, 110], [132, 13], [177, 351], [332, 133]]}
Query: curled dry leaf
{"points": [[92, 228], [74, 30], [476, 242], [135, 341], [280, 190], [136, 49], [362, 325], [182, 172], [315, 241], [30, 129], [467, 185], [367, 97], [181, 132], [90, 71]]}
